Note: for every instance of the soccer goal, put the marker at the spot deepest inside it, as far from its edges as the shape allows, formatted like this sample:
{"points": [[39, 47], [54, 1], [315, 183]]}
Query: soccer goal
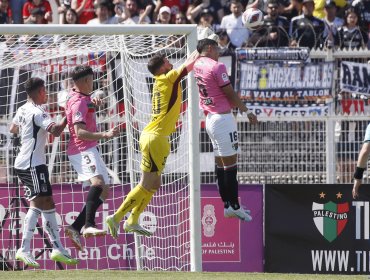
{"points": [[118, 55]]}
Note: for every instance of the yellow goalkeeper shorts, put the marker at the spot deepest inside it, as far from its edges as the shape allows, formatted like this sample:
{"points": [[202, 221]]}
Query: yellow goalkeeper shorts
{"points": [[154, 150]]}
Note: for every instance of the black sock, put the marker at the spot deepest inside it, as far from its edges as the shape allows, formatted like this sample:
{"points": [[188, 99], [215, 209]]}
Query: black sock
{"points": [[81, 218], [232, 183], [222, 187], [92, 204]]}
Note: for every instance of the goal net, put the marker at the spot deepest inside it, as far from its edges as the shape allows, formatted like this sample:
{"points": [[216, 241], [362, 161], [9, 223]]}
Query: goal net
{"points": [[118, 56]]}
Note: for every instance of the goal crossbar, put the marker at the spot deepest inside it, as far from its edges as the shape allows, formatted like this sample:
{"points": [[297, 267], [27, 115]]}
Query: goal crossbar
{"points": [[113, 29], [192, 118]]}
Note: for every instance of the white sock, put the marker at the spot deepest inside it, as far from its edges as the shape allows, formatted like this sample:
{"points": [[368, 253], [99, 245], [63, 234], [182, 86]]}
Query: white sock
{"points": [[29, 225], [50, 225]]}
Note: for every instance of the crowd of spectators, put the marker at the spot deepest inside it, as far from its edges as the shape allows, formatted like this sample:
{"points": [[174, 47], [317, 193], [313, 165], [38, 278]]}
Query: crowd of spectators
{"points": [[308, 23]]}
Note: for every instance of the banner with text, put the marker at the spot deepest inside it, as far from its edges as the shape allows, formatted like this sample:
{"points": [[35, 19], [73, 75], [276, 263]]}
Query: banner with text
{"points": [[355, 77], [289, 111], [227, 244], [318, 229], [300, 85]]}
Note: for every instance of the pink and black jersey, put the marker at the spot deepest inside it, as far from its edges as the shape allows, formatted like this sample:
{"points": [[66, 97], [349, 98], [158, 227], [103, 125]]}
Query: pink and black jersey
{"points": [[80, 109], [211, 76]]}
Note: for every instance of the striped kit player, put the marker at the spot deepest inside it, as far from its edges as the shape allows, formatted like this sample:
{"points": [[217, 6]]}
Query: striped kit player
{"points": [[32, 123]]}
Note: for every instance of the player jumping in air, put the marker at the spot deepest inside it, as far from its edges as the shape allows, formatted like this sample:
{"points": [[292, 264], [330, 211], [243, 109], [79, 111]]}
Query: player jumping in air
{"points": [[154, 144], [83, 153], [217, 98]]}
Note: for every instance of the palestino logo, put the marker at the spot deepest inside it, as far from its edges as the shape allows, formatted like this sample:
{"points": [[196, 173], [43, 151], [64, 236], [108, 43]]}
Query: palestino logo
{"points": [[330, 218], [209, 220]]}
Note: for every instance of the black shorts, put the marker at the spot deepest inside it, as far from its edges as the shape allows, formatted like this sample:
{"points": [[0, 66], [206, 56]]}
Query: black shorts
{"points": [[35, 181]]}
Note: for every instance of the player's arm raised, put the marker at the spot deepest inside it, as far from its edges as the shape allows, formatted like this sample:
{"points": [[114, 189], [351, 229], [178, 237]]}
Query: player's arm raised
{"points": [[235, 100], [83, 134], [184, 69], [189, 63]]}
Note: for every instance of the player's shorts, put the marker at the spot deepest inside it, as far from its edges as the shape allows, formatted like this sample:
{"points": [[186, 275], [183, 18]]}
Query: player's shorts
{"points": [[367, 134], [35, 181], [154, 150], [223, 132], [89, 164]]}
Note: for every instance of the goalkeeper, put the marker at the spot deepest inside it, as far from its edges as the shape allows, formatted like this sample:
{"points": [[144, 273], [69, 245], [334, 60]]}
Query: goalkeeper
{"points": [[217, 98], [154, 144]]}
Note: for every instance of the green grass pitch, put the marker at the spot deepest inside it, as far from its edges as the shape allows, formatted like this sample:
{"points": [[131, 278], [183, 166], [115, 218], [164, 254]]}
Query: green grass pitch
{"points": [[136, 275]]}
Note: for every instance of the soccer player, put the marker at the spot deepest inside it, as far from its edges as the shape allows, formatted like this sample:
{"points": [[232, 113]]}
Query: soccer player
{"points": [[361, 163], [154, 144], [83, 153], [217, 98], [33, 124]]}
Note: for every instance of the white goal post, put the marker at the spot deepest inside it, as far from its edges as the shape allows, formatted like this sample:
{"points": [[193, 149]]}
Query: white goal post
{"points": [[118, 55]]}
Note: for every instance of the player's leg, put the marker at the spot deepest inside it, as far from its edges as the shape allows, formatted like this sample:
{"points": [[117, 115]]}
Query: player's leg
{"points": [[91, 169], [224, 132], [150, 182], [50, 225], [212, 127], [99, 191], [138, 195], [159, 149], [231, 181], [24, 252], [73, 231], [87, 164], [93, 201], [45, 202], [136, 200], [154, 150], [222, 188], [230, 167]]}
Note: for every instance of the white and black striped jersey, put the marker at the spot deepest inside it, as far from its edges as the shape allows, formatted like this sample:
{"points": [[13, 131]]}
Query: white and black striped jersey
{"points": [[351, 38], [33, 122]]}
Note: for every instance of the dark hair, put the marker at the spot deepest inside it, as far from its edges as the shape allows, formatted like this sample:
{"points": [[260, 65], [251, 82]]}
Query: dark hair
{"points": [[182, 15], [73, 12], [348, 11], [38, 11], [81, 71], [222, 32], [33, 84], [104, 3], [155, 63], [202, 44], [272, 2], [235, 2]]}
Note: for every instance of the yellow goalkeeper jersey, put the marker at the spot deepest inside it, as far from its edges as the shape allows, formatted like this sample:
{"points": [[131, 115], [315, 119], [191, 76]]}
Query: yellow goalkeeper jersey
{"points": [[166, 102]]}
